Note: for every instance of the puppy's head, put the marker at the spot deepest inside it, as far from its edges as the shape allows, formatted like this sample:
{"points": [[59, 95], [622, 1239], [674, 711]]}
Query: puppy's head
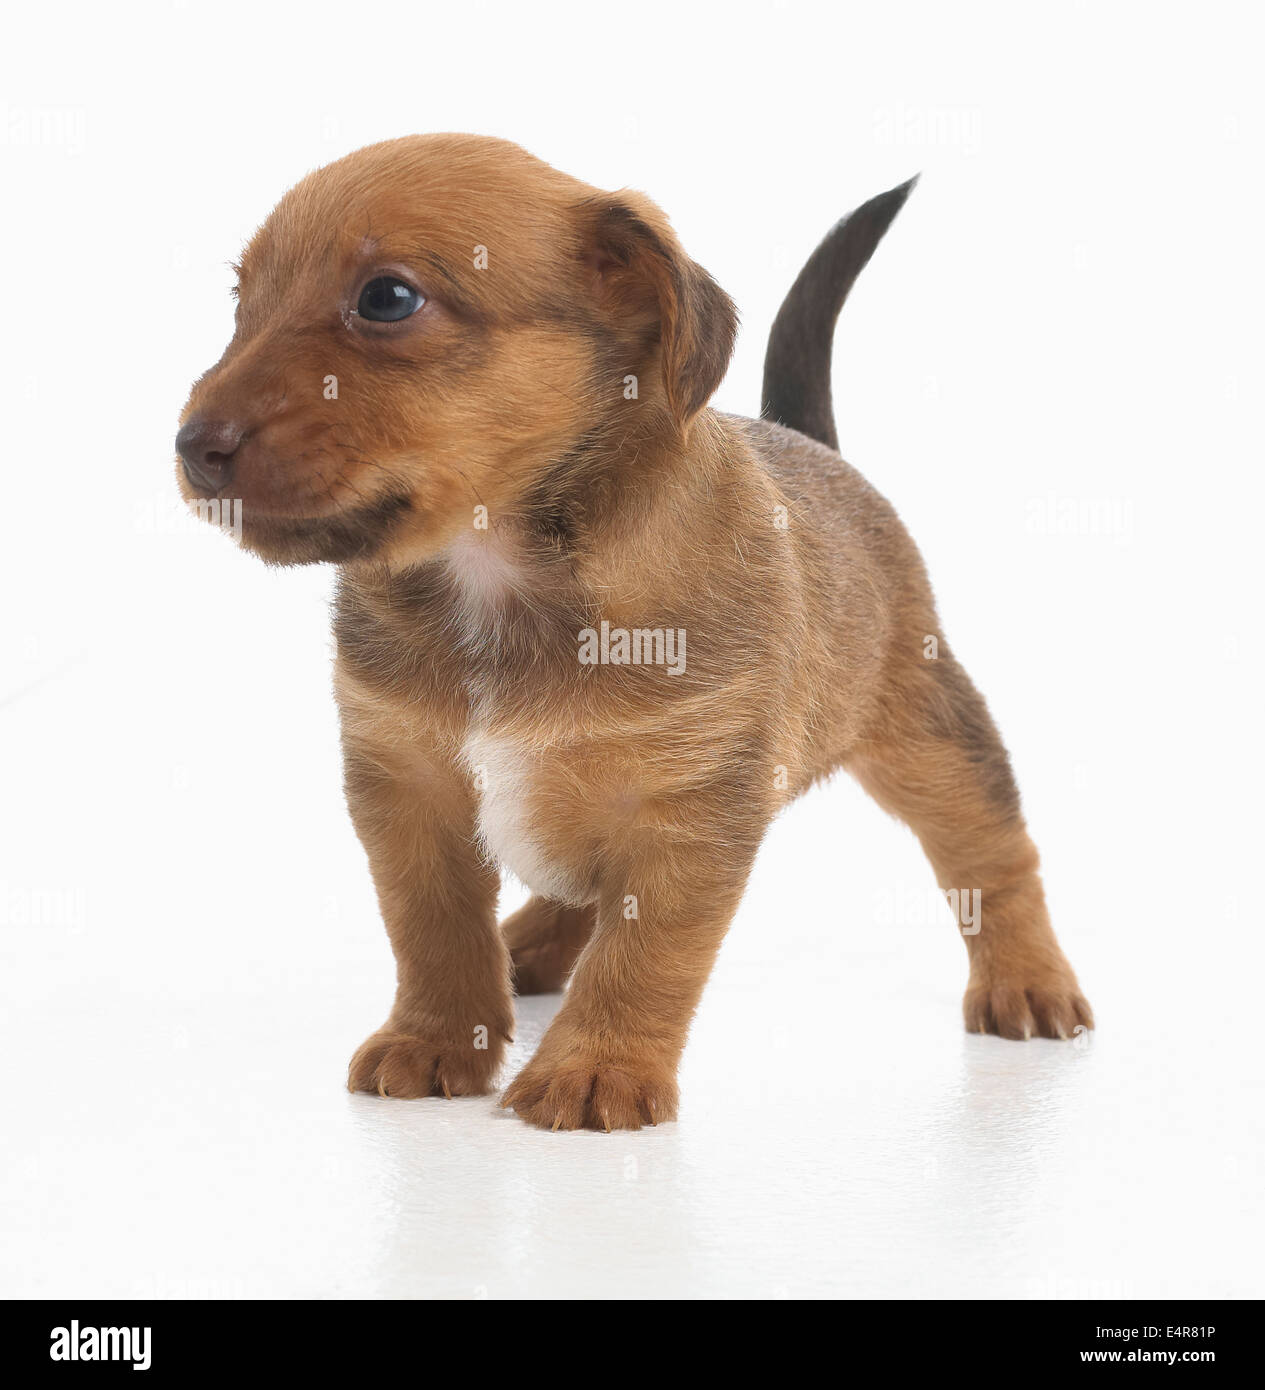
{"points": [[432, 325]]}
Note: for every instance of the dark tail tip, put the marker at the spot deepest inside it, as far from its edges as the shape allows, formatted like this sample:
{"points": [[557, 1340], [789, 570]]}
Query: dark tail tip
{"points": [[797, 360]]}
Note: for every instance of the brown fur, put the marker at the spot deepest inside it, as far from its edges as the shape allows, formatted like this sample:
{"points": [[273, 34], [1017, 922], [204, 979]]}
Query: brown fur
{"points": [[633, 800]]}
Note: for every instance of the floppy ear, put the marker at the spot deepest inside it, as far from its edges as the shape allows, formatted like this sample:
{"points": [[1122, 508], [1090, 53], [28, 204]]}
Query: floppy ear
{"points": [[647, 280]]}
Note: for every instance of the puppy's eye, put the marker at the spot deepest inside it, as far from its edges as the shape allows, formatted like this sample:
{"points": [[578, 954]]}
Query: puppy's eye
{"points": [[387, 299]]}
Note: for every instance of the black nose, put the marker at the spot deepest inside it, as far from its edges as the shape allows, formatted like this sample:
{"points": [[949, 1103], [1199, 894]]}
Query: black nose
{"points": [[207, 448]]}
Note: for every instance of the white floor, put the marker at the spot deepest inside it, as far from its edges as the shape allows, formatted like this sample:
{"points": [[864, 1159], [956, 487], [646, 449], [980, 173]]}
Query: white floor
{"points": [[846, 1141], [181, 994]]}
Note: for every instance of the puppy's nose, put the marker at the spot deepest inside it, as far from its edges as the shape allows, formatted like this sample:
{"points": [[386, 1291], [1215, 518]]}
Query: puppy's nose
{"points": [[207, 448]]}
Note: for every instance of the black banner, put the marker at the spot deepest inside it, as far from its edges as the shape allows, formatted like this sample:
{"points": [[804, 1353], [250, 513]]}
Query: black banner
{"points": [[173, 1341]]}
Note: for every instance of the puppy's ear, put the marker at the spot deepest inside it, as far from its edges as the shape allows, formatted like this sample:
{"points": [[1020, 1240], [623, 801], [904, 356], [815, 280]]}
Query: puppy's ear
{"points": [[646, 281]]}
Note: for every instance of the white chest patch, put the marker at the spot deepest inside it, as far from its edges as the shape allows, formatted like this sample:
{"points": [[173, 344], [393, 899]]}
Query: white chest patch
{"points": [[507, 777], [488, 572]]}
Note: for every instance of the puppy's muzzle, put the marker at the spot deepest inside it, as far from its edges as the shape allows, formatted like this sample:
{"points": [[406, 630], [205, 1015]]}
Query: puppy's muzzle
{"points": [[206, 448]]}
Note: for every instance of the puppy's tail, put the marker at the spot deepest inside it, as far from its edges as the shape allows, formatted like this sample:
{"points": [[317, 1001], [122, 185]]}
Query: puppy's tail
{"points": [[797, 361]]}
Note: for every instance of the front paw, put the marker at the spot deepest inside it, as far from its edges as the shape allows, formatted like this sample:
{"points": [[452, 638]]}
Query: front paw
{"points": [[1020, 1005], [585, 1091], [406, 1066]]}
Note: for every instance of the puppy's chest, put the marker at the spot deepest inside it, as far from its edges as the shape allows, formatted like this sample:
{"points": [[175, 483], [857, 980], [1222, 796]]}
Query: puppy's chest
{"points": [[535, 816]]}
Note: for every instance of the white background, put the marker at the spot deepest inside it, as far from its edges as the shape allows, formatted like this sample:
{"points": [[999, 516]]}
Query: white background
{"points": [[1065, 322]]}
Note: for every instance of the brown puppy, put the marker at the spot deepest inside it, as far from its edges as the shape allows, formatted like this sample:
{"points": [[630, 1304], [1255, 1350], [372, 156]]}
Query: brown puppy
{"points": [[587, 627]]}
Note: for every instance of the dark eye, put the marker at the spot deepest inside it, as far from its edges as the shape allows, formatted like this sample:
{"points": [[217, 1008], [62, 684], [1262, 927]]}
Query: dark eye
{"points": [[387, 299]]}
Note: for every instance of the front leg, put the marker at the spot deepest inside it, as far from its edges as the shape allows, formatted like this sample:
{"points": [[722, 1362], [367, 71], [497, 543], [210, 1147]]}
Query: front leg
{"points": [[545, 939], [414, 811], [609, 1059]]}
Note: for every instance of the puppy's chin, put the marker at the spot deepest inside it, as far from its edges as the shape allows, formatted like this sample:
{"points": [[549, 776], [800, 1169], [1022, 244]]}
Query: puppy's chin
{"points": [[355, 534]]}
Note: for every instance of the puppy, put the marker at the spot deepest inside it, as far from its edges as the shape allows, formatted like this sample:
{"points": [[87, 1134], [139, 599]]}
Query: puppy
{"points": [[586, 627]]}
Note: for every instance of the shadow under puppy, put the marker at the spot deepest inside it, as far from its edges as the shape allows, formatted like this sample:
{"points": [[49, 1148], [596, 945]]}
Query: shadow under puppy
{"points": [[587, 627]]}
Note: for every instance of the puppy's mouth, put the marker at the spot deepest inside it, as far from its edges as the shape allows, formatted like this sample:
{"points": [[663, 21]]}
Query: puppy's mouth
{"points": [[354, 533]]}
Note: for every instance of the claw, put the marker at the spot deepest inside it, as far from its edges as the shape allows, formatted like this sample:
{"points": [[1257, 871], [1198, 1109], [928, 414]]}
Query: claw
{"points": [[444, 1083]]}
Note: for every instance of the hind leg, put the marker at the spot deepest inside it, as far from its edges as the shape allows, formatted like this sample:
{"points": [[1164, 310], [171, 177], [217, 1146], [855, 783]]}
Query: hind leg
{"points": [[545, 939], [939, 764]]}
